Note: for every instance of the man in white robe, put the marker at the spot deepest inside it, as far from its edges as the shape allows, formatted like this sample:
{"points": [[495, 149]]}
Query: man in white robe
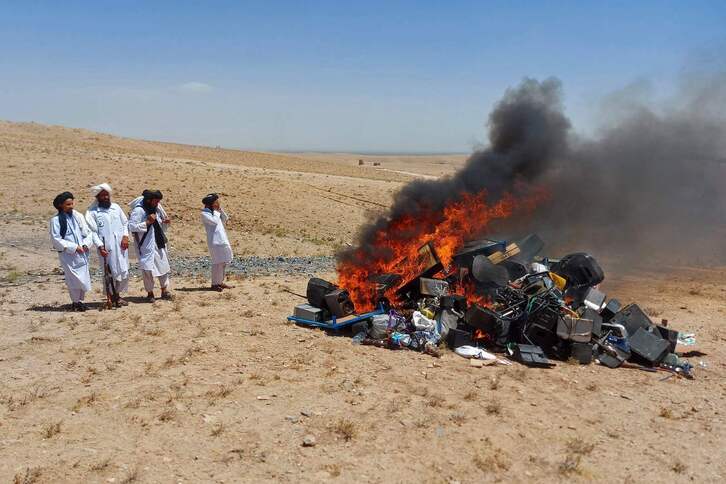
{"points": [[147, 223], [220, 250], [71, 237], [109, 226]]}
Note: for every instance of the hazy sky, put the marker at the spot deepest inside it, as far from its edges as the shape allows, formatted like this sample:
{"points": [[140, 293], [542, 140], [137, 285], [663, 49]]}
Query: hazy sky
{"points": [[413, 76]]}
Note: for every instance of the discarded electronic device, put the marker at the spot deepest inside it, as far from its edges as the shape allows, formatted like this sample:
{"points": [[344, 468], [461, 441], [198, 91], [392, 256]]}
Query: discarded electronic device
{"points": [[530, 355], [648, 346], [306, 311], [594, 299], [580, 270], [495, 294], [574, 329], [338, 302], [633, 318], [433, 287], [316, 291]]}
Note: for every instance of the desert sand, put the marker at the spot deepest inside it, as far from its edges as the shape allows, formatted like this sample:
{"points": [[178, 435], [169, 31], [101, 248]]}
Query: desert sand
{"points": [[221, 388]]}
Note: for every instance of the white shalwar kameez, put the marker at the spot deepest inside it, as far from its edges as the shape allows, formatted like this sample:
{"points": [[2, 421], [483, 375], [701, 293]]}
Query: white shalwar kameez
{"points": [[75, 265], [220, 249], [109, 226], [153, 261]]}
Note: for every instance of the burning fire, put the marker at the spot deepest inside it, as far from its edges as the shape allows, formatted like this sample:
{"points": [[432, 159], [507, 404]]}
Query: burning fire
{"points": [[397, 245]]}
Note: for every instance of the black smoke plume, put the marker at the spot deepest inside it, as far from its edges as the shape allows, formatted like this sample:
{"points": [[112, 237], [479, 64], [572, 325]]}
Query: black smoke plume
{"points": [[650, 187]]}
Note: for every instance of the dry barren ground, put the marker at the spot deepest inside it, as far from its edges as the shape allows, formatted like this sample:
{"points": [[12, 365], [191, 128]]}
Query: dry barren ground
{"points": [[220, 388]]}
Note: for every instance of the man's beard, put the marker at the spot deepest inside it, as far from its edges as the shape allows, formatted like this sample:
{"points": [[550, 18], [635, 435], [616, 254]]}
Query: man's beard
{"points": [[148, 208], [106, 204]]}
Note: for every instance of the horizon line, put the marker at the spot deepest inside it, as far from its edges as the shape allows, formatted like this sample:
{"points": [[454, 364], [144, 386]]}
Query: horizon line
{"points": [[259, 150]]}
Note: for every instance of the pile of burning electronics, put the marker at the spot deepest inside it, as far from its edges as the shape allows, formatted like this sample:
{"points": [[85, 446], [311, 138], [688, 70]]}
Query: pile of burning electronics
{"points": [[500, 297]]}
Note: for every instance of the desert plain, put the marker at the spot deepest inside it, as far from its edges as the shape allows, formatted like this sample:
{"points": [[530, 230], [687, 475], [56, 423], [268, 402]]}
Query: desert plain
{"points": [[222, 388]]}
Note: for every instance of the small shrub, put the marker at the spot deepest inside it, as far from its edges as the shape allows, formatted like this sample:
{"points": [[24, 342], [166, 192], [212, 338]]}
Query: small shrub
{"points": [[50, 430], [494, 461], [345, 428], [30, 476], [13, 276], [666, 412]]}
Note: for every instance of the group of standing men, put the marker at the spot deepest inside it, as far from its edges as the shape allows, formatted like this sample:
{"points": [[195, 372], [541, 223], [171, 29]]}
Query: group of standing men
{"points": [[106, 227]]}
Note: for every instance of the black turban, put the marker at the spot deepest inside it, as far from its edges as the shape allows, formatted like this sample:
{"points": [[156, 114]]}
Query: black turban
{"points": [[58, 204], [159, 236], [210, 199], [152, 194], [60, 199]]}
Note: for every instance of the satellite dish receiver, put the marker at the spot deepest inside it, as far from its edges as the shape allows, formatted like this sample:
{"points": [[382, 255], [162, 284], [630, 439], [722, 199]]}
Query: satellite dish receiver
{"points": [[488, 273]]}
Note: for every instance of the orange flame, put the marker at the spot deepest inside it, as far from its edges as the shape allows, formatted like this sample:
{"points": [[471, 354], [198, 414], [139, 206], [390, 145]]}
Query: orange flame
{"points": [[397, 245]]}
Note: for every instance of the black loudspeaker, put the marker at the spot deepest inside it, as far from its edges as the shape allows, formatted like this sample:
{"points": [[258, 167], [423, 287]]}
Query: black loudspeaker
{"points": [[338, 302], [317, 289]]}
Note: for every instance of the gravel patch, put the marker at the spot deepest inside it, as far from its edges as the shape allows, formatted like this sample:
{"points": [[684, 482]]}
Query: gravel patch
{"points": [[246, 266], [256, 266]]}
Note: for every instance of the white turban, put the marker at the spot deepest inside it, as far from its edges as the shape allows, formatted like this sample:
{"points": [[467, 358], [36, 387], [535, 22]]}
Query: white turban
{"points": [[100, 188]]}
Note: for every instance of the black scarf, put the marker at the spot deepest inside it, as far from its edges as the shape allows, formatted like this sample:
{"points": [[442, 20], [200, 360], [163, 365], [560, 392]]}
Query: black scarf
{"points": [[63, 221], [159, 236], [58, 203]]}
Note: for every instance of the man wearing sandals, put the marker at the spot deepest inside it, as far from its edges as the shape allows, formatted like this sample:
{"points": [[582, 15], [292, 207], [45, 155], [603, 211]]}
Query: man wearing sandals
{"points": [[147, 223]]}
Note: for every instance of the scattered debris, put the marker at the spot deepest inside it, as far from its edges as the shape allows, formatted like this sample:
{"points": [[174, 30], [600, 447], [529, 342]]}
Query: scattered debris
{"points": [[498, 295]]}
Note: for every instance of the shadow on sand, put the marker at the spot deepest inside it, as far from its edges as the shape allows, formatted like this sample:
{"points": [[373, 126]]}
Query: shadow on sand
{"points": [[47, 308], [196, 289]]}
